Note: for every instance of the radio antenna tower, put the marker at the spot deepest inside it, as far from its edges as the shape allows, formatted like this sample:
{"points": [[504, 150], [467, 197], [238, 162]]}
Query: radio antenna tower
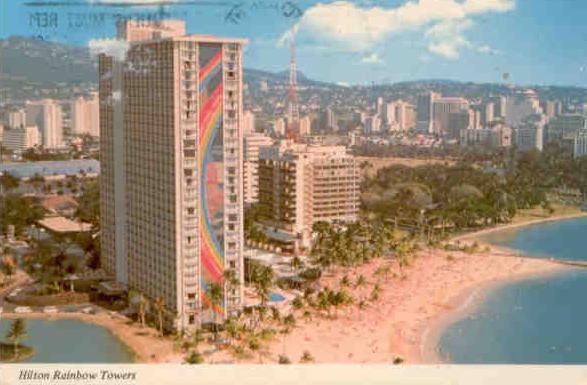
{"points": [[293, 109]]}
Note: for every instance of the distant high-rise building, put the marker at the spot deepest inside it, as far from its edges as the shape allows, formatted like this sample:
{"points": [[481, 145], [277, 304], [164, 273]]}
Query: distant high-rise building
{"points": [[497, 136], [279, 127], [252, 144], [85, 117], [372, 125], [263, 85], [171, 118], [301, 184], [487, 114], [47, 115], [248, 123], [400, 115], [460, 120], [17, 119], [442, 108], [21, 138], [530, 136], [580, 144], [379, 106], [329, 121], [305, 126], [425, 110], [563, 128], [499, 106], [521, 106]]}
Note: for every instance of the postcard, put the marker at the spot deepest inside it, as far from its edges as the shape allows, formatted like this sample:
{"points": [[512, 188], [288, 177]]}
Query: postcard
{"points": [[387, 191]]}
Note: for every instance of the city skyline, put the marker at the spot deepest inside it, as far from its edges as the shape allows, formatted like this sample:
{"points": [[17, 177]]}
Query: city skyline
{"points": [[481, 41]]}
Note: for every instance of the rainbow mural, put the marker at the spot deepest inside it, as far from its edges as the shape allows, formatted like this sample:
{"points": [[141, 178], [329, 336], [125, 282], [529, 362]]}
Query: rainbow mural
{"points": [[212, 171]]}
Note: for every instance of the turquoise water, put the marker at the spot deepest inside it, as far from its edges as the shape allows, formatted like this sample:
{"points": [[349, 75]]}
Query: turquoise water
{"points": [[276, 297], [71, 341], [561, 239], [533, 321]]}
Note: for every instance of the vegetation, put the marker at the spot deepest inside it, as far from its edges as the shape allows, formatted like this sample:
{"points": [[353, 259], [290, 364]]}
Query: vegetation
{"points": [[194, 358], [89, 204], [431, 199], [19, 211], [16, 333]]}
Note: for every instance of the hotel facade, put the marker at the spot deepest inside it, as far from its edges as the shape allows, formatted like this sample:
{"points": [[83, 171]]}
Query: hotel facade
{"points": [[301, 184], [171, 168]]}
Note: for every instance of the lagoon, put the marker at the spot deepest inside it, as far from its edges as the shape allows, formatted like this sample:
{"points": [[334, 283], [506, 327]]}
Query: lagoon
{"points": [[71, 341]]}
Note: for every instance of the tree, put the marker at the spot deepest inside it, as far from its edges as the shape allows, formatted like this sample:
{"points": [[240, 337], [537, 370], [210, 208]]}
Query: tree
{"points": [[88, 209], [9, 181], [306, 357], [16, 333], [138, 298], [216, 296], [19, 211], [194, 358], [159, 305]]}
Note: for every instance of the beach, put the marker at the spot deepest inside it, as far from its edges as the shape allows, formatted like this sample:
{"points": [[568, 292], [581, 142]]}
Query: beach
{"points": [[415, 304], [410, 313]]}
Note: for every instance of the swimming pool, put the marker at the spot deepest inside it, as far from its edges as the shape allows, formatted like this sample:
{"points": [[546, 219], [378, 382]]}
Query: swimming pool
{"points": [[276, 297]]}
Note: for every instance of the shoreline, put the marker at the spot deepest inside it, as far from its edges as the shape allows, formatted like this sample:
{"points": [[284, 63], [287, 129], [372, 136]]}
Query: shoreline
{"points": [[475, 235], [466, 304]]}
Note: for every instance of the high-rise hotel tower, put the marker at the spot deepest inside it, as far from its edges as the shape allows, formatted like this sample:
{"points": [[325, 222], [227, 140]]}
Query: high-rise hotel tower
{"points": [[171, 168]]}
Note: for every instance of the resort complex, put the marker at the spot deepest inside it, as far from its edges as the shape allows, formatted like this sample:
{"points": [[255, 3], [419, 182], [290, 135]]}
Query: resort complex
{"points": [[163, 200]]}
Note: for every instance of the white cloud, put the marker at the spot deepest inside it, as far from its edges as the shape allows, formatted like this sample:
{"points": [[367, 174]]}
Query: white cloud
{"points": [[111, 47], [343, 24], [371, 59], [447, 39]]}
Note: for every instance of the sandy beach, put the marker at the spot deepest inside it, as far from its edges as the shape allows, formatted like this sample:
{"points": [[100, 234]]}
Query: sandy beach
{"points": [[410, 312]]}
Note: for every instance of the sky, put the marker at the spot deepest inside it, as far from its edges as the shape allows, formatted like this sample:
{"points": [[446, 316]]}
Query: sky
{"points": [[540, 42]]}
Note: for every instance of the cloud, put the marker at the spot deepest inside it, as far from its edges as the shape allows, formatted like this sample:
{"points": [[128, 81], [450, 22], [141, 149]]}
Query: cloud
{"points": [[360, 29], [111, 47], [371, 59], [447, 39]]}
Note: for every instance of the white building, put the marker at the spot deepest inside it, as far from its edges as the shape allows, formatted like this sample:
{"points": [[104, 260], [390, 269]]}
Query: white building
{"points": [[252, 143], [529, 137], [301, 184], [520, 107], [494, 137], [85, 117], [46, 114], [17, 119], [21, 138], [279, 127], [172, 168], [305, 126], [248, 123], [580, 148]]}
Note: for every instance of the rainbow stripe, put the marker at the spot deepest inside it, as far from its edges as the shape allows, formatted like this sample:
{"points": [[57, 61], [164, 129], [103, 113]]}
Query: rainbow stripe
{"points": [[210, 122]]}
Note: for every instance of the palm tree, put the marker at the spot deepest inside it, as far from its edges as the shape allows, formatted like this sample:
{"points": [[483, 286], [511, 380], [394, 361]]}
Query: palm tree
{"points": [[194, 358], [16, 333], [216, 296], [159, 305], [296, 263], [141, 300], [306, 357]]}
